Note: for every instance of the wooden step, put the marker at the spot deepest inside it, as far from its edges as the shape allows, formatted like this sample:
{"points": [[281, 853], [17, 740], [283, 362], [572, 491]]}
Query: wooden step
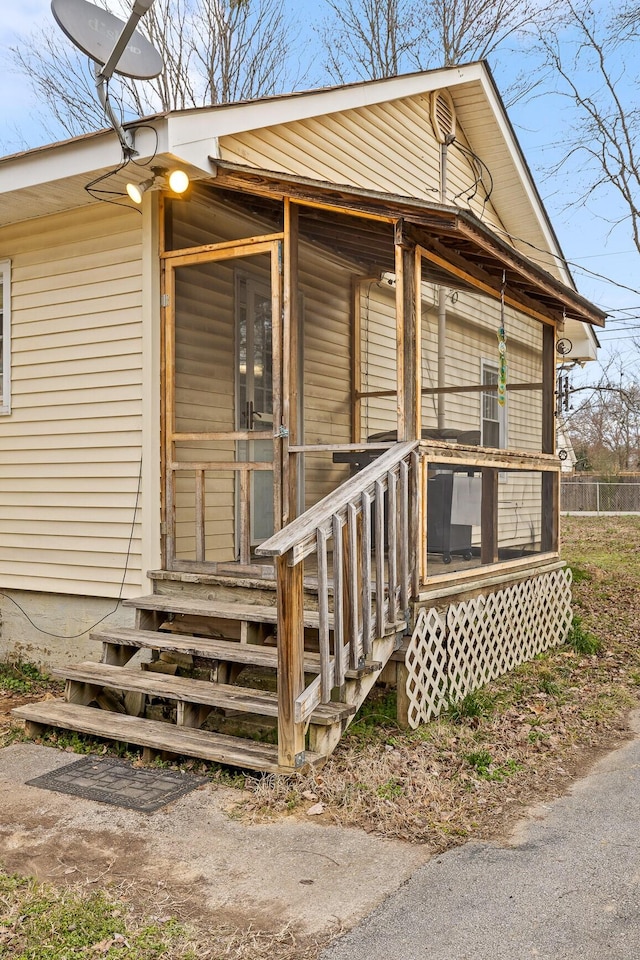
{"points": [[217, 609], [209, 648], [183, 741], [222, 695]]}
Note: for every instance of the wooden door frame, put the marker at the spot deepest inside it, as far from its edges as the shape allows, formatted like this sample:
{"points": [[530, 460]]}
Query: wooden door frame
{"points": [[171, 260]]}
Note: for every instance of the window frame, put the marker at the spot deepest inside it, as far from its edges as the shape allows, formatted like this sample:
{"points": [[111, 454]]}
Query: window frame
{"points": [[491, 366], [5, 343]]}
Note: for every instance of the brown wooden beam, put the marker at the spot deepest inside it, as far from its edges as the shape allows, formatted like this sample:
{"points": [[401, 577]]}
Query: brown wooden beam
{"points": [[550, 512], [489, 519], [548, 390], [457, 266]]}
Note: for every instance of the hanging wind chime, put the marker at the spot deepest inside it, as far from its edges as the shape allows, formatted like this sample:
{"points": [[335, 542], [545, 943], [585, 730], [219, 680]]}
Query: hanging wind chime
{"points": [[502, 349]]}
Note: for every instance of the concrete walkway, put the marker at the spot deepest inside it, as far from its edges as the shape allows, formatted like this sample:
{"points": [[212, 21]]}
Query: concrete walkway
{"points": [[567, 886], [193, 858]]}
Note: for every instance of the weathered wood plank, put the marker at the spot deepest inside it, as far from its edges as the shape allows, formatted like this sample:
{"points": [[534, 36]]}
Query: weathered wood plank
{"points": [[222, 609], [367, 595], [354, 575], [209, 648], [200, 513], [380, 535], [184, 741], [326, 674], [338, 602], [392, 544], [290, 663], [489, 527], [403, 543]]}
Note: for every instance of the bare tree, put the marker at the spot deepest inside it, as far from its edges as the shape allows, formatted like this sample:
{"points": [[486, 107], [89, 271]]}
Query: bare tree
{"points": [[370, 40], [214, 51], [591, 53], [605, 426], [459, 31]]}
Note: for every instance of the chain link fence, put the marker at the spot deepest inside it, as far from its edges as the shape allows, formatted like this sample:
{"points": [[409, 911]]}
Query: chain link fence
{"points": [[598, 497]]}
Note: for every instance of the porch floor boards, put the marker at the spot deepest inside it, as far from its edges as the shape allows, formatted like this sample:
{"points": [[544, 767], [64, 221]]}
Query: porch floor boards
{"points": [[239, 576]]}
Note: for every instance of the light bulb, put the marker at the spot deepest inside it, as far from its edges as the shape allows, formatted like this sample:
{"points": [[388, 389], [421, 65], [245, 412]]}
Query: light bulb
{"points": [[136, 190], [178, 181]]}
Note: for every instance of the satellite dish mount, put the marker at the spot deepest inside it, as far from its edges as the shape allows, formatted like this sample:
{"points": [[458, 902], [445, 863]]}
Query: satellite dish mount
{"points": [[114, 47]]}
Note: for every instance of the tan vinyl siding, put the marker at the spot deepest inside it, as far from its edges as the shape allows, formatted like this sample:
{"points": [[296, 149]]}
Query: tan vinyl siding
{"points": [[326, 290], [378, 353], [70, 451], [389, 147]]}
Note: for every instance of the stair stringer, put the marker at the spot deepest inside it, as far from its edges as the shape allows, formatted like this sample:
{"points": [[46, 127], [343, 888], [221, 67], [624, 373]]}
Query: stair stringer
{"points": [[323, 740]]}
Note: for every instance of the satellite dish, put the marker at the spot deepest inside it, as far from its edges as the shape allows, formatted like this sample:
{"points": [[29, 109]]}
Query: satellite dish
{"points": [[96, 32]]}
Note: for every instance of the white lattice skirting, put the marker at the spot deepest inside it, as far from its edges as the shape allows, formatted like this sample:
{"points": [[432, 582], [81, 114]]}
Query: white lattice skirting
{"points": [[451, 654]]}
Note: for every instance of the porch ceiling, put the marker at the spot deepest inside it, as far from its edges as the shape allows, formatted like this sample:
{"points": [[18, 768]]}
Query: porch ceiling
{"points": [[460, 249]]}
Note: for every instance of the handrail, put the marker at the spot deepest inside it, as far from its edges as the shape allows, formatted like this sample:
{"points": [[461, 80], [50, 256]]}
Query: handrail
{"points": [[364, 536], [321, 512]]}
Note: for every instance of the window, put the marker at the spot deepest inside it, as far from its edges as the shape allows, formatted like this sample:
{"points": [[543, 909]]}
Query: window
{"points": [[493, 417], [5, 336]]}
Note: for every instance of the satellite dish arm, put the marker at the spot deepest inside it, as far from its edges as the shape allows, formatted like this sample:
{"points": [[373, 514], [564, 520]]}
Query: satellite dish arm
{"points": [[140, 7], [124, 136], [104, 73]]}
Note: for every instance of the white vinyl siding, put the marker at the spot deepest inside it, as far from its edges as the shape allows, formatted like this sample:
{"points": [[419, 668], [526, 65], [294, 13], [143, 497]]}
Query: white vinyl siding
{"points": [[5, 336], [70, 463]]}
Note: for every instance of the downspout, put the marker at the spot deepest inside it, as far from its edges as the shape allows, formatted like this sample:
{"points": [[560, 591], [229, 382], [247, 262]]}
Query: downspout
{"points": [[442, 298]]}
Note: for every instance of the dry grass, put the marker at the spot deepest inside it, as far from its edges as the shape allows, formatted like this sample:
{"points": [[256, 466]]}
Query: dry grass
{"points": [[40, 921], [521, 739]]}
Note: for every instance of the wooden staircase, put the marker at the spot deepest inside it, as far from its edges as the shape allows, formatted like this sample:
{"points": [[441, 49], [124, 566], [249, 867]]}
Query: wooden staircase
{"points": [[139, 677], [307, 657]]}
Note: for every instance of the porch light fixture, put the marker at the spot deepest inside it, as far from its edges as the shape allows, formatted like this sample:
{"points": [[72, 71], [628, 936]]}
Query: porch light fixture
{"points": [[177, 181], [137, 190]]}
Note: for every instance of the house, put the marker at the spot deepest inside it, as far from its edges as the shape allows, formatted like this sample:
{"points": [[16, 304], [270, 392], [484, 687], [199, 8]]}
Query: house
{"points": [[300, 420]]}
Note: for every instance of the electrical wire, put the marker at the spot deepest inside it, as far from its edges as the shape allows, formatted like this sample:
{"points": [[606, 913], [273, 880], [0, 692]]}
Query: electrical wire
{"points": [[552, 260], [479, 167], [75, 636], [104, 195], [98, 193]]}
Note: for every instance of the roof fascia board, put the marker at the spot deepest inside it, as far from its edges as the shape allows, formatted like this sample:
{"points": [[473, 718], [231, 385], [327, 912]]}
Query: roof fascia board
{"points": [[229, 119], [76, 157]]}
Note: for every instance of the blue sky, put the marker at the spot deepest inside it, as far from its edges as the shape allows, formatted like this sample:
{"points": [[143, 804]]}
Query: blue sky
{"points": [[585, 238]]}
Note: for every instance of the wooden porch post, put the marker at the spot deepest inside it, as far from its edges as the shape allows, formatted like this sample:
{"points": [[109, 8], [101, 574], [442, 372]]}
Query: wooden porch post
{"points": [[400, 321], [290, 371], [550, 479], [489, 510], [408, 271], [290, 661]]}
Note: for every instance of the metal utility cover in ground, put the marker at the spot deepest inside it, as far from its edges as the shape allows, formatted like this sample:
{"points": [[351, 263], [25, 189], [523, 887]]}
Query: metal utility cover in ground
{"points": [[116, 782]]}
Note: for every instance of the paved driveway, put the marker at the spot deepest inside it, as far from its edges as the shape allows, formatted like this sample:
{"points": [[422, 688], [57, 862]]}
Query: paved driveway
{"points": [[567, 886]]}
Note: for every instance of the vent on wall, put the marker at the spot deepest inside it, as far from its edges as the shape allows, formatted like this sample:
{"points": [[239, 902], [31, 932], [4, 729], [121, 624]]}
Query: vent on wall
{"points": [[443, 116]]}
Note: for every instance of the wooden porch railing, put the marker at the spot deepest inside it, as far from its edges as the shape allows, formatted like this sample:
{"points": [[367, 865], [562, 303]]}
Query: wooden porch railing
{"points": [[369, 526]]}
